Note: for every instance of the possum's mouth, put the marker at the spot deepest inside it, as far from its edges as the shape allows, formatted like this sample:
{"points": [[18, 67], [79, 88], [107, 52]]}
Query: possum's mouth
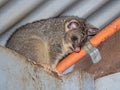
{"points": [[76, 48]]}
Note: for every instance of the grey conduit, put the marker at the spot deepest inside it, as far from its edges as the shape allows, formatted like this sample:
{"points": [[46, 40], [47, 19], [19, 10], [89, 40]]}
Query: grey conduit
{"points": [[105, 14], [2, 2], [15, 11], [50, 9], [84, 8]]}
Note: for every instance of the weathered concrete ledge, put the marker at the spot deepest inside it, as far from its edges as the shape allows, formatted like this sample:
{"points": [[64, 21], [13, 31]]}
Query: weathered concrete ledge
{"points": [[17, 73]]}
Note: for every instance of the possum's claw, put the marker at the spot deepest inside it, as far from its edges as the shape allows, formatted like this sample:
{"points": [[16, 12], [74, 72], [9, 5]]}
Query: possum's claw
{"points": [[50, 70], [47, 68], [56, 72]]}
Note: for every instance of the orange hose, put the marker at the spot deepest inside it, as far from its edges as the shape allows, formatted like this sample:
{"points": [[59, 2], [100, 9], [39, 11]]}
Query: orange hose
{"points": [[95, 41]]}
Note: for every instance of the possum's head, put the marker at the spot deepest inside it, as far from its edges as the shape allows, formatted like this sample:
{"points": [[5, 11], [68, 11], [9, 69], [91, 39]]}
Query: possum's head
{"points": [[77, 32]]}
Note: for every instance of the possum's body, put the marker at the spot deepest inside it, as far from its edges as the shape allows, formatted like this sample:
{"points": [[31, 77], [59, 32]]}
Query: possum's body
{"points": [[47, 41]]}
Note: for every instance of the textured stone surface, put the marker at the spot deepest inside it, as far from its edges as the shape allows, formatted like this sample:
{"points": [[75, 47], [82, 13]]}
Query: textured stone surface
{"points": [[16, 73]]}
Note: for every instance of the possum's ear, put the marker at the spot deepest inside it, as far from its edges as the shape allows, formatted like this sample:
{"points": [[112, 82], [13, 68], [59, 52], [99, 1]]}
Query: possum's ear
{"points": [[71, 25], [92, 30]]}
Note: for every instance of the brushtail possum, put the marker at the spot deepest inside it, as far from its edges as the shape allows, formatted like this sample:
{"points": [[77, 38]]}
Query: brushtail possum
{"points": [[48, 41]]}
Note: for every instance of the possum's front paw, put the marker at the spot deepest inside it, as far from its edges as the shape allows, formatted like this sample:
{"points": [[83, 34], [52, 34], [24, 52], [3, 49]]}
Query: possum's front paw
{"points": [[51, 70], [54, 70], [46, 68]]}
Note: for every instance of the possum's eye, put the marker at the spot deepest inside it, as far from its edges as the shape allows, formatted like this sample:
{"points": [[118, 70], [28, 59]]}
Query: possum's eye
{"points": [[74, 38], [73, 25]]}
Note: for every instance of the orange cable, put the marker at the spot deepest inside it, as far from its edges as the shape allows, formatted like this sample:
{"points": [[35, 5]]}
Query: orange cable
{"points": [[95, 41]]}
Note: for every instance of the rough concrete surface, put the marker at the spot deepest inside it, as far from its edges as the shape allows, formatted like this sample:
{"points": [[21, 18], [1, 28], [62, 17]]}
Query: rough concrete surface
{"points": [[17, 73]]}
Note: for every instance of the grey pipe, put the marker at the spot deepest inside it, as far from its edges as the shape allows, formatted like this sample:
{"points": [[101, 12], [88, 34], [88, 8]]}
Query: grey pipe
{"points": [[14, 11], [84, 8], [2, 2], [52, 8], [106, 14]]}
